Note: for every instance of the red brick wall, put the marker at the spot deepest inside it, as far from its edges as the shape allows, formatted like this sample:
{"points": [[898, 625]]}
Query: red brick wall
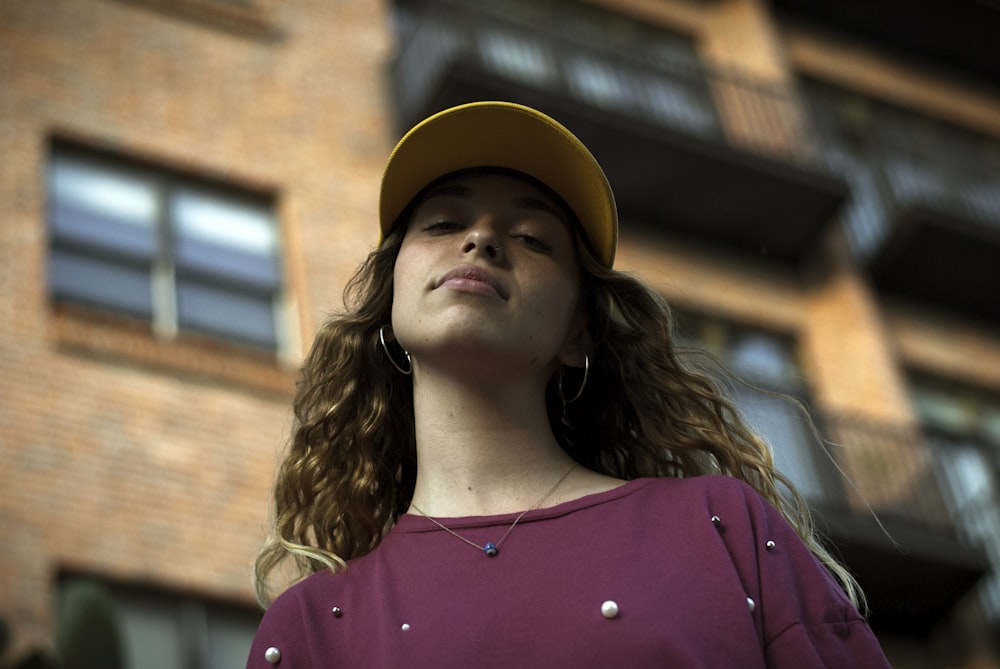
{"points": [[123, 455]]}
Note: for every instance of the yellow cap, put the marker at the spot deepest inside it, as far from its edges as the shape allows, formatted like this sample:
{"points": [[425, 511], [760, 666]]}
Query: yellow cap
{"points": [[509, 136]]}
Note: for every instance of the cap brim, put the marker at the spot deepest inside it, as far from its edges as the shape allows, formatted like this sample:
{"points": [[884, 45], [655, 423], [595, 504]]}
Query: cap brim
{"points": [[510, 136]]}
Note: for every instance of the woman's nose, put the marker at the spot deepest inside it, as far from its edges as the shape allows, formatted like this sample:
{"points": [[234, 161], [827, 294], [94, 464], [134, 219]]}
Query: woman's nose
{"points": [[482, 239]]}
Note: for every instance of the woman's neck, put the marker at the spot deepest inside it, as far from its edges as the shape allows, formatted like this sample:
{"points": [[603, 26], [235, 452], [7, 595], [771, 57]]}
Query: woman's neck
{"points": [[482, 449]]}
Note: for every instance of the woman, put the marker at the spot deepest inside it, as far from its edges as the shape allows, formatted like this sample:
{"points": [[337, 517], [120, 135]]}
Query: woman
{"points": [[501, 459]]}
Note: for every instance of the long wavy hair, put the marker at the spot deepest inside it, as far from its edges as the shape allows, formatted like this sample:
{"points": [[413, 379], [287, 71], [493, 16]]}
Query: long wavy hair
{"points": [[651, 408]]}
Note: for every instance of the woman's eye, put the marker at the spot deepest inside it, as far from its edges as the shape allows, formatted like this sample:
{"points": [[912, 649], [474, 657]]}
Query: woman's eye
{"points": [[441, 226], [534, 243]]}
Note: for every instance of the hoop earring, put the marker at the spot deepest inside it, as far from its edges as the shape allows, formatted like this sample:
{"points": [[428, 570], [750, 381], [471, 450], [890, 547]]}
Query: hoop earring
{"points": [[385, 347], [583, 384]]}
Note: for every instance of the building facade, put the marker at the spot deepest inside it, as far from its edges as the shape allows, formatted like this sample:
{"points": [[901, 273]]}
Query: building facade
{"points": [[186, 186]]}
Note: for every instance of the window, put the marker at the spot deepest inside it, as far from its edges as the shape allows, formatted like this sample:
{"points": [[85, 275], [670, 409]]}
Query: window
{"points": [[963, 429], [182, 254], [519, 57], [153, 629], [767, 362]]}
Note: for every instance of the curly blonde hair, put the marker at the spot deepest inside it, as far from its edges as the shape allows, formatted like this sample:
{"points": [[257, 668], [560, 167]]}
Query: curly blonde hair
{"points": [[651, 409]]}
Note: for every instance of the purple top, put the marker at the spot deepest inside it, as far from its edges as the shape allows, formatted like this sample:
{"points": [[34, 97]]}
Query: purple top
{"points": [[702, 573]]}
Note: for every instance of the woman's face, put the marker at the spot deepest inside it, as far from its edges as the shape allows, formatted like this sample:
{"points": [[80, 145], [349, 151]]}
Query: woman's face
{"points": [[459, 299]]}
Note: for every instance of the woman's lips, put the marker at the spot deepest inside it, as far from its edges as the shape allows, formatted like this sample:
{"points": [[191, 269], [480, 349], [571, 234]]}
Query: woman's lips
{"points": [[473, 279]]}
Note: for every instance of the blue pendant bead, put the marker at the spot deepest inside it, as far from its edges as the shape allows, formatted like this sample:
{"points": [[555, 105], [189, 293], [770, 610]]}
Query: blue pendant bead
{"points": [[491, 549]]}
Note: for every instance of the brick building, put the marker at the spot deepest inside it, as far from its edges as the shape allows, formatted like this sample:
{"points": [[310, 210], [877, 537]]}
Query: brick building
{"points": [[185, 186]]}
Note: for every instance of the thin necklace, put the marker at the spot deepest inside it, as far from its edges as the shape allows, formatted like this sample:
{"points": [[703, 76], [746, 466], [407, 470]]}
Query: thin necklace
{"points": [[491, 549]]}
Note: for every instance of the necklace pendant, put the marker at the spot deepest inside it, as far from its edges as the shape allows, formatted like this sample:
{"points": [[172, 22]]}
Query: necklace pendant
{"points": [[490, 550]]}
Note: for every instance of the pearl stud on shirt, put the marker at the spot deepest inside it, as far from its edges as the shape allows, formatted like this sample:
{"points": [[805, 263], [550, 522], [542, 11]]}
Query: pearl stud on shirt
{"points": [[609, 609]]}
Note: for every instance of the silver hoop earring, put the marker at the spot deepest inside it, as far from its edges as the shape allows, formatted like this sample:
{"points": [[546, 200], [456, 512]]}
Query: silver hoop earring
{"points": [[385, 347], [583, 384]]}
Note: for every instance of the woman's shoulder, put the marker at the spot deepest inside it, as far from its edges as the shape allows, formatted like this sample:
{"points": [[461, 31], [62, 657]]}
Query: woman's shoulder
{"points": [[715, 488], [285, 627], [708, 496], [299, 599], [710, 490]]}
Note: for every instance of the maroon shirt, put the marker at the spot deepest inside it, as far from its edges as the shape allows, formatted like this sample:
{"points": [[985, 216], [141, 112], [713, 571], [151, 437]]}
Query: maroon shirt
{"points": [[691, 591]]}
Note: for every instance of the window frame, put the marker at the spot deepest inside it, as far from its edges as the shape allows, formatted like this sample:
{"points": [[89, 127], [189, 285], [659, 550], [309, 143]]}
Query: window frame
{"points": [[164, 319], [199, 628], [819, 483]]}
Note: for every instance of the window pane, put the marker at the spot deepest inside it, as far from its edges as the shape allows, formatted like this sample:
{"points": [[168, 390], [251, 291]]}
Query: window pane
{"points": [[519, 57], [99, 206], [226, 251], [795, 449], [230, 633], [103, 235], [153, 635], [194, 259], [676, 104], [768, 361], [967, 476], [241, 317], [762, 358], [945, 410], [162, 630], [80, 227], [101, 283], [95, 187], [225, 237], [599, 82]]}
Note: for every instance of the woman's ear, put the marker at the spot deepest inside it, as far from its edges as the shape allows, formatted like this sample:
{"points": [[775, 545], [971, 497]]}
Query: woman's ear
{"points": [[578, 344]]}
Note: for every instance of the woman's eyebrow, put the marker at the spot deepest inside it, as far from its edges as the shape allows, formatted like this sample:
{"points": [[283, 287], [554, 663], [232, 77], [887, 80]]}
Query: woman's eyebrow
{"points": [[449, 190], [525, 202], [536, 204]]}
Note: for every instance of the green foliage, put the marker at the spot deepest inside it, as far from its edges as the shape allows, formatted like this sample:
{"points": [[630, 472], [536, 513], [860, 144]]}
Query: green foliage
{"points": [[88, 634]]}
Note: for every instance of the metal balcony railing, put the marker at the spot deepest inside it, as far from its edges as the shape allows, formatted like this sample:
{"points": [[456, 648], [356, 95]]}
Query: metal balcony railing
{"points": [[969, 476], [649, 80], [917, 537], [896, 161], [891, 472]]}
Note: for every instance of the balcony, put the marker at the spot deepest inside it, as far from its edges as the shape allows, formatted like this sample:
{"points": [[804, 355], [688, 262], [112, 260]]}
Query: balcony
{"points": [[705, 154], [924, 214], [900, 537], [959, 35]]}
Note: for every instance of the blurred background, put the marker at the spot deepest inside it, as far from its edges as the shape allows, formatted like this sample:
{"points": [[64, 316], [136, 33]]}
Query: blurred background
{"points": [[186, 185]]}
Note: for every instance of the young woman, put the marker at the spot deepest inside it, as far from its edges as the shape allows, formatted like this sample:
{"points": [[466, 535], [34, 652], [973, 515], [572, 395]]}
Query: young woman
{"points": [[501, 459]]}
